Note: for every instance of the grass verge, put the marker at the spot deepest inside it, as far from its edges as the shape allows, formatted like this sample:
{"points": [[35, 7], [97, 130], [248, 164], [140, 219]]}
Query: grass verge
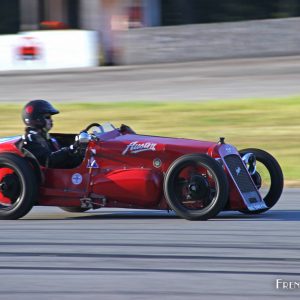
{"points": [[269, 124]]}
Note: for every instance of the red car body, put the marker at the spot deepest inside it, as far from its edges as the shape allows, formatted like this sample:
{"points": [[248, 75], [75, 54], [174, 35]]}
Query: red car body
{"points": [[128, 170]]}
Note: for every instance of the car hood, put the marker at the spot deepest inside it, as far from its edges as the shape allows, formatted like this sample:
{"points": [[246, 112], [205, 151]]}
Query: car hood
{"points": [[135, 141]]}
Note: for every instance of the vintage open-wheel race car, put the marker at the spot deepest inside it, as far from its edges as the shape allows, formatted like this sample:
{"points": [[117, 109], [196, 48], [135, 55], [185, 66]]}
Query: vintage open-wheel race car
{"points": [[119, 168]]}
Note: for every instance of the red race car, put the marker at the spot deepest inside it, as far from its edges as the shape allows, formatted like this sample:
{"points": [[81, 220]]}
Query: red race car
{"points": [[119, 168]]}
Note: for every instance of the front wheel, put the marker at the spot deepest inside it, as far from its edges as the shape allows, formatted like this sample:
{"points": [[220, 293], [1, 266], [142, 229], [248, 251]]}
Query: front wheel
{"points": [[196, 187], [267, 177]]}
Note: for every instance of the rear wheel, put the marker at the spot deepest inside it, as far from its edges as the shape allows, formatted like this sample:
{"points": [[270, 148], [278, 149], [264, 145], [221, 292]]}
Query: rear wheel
{"points": [[267, 177], [18, 187], [196, 187]]}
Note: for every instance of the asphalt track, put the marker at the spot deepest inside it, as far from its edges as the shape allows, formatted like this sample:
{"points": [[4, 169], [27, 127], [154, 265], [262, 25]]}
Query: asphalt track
{"points": [[192, 81], [127, 254]]}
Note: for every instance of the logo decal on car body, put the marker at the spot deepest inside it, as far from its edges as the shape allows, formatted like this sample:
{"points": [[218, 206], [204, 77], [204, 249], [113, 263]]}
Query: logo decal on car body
{"points": [[238, 171], [92, 163], [76, 178], [157, 163], [136, 147], [228, 149]]}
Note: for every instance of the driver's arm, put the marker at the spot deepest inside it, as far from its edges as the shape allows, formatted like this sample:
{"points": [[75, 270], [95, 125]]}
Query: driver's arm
{"points": [[58, 158]]}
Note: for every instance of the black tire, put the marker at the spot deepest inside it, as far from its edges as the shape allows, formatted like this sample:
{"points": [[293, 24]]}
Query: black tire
{"points": [[74, 209], [275, 186], [20, 187], [209, 205]]}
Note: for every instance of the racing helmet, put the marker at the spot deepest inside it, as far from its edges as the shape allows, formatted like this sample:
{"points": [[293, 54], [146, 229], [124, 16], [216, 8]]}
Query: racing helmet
{"points": [[34, 112]]}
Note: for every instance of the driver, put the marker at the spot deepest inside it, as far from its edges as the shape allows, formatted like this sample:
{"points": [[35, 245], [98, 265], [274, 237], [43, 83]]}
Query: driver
{"points": [[37, 116]]}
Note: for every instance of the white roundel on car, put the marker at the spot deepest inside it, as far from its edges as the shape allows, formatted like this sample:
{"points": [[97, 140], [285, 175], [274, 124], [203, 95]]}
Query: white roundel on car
{"points": [[76, 178]]}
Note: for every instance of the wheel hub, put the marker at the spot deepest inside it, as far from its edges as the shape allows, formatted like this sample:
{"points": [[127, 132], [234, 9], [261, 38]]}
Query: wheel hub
{"points": [[10, 187], [198, 187]]}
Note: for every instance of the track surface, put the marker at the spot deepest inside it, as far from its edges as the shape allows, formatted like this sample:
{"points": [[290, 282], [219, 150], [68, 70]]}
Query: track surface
{"points": [[127, 254], [194, 81], [121, 254]]}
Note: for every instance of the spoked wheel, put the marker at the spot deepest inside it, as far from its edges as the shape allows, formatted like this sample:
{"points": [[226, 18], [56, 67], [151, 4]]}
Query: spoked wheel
{"points": [[196, 187], [18, 186], [267, 176]]}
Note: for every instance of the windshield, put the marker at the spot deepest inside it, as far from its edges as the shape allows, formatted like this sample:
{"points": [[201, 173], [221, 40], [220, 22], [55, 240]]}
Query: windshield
{"points": [[103, 130], [107, 127]]}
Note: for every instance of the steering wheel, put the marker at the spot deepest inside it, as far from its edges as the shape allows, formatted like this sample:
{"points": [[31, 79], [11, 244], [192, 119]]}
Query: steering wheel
{"points": [[99, 127], [83, 138]]}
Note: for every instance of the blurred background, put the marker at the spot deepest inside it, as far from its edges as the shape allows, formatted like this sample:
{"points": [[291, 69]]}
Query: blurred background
{"points": [[114, 21], [196, 69]]}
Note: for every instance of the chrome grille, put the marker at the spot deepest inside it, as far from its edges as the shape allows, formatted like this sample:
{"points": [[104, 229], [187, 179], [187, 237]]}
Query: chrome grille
{"points": [[239, 173]]}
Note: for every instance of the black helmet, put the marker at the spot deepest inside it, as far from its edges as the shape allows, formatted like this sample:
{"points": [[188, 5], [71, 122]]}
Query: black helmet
{"points": [[34, 112]]}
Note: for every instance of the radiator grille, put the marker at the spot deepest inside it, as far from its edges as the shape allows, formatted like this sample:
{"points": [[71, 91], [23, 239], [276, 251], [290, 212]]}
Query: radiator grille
{"points": [[239, 173]]}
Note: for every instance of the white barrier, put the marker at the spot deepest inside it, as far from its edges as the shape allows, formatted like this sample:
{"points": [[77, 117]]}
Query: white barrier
{"points": [[53, 49]]}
